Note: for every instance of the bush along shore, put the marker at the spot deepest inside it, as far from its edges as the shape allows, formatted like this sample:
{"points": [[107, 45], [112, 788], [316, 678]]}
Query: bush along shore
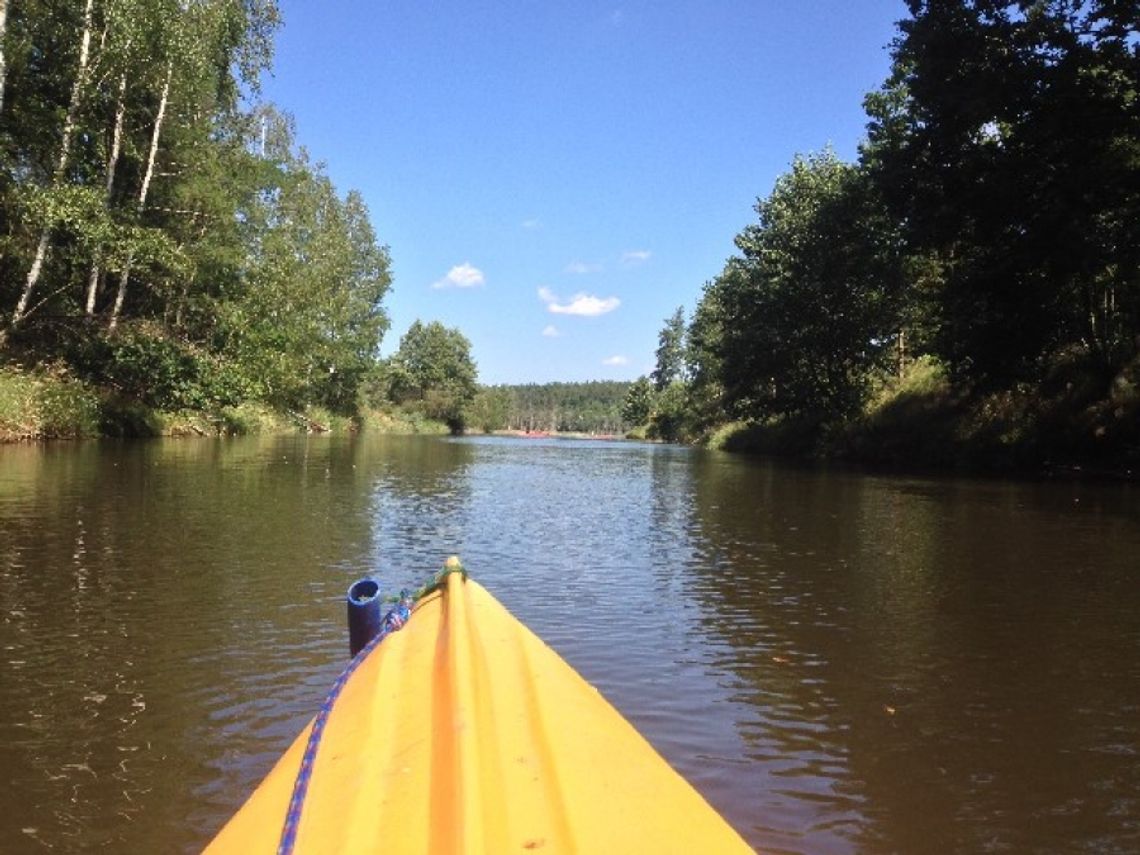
{"points": [[48, 402]]}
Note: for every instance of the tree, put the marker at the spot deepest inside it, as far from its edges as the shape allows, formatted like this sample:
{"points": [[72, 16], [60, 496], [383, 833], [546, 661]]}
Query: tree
{"points": [[433, 371], [490, 409], [670, 351], [638, 404], [704, 353], [1007, 141], [3, 63], [70, 120], [795, 324], [127, 156], [308, 320], [93, 92]]}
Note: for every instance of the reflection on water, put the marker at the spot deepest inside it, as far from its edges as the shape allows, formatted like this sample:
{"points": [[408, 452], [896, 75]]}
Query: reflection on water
{"points": [[840, 662]]}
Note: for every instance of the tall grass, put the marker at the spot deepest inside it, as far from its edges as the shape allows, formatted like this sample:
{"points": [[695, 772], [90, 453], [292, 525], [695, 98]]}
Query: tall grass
{"points": [[47, 403]]}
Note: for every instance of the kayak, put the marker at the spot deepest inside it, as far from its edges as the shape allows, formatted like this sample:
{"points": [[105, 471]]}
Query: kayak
{"points": [[463, 732]]}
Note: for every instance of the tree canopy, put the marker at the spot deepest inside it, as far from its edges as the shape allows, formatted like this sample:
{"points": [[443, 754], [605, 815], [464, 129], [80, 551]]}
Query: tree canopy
{"points": [[155, 222], [1007, 144], [433, 370], [991, 224]]}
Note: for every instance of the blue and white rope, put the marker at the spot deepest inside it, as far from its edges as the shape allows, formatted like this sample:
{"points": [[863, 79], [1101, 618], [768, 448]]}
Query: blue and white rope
{"points": [[396, 617]]}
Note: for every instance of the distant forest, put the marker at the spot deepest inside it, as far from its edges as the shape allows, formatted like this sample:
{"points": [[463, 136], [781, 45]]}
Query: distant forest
{"points": [[594, 407]]}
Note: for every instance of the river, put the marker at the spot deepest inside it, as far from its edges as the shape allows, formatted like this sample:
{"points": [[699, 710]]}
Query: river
{"points": [[839, 661]]}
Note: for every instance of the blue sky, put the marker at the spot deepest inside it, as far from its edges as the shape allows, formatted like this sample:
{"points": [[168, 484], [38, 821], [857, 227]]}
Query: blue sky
{"points": [[556, 178]]}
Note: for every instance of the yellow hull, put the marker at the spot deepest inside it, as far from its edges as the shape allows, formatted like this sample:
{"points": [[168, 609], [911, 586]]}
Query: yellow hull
{"points": [[464, 733]]}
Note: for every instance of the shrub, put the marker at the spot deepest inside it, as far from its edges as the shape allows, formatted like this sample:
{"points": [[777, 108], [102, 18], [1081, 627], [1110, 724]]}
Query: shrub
{"points": [[67, 408], [143, 361], [19, 416], [46, 403]]}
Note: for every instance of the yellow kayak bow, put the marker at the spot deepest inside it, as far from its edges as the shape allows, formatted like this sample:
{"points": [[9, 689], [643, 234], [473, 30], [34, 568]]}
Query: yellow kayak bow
{"points": [[495, 745]]}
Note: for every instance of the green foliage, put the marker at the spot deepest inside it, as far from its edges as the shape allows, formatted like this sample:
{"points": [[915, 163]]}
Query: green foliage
{"points": [[124, 416], [68, 408], [591, 407], [49, 403], [401, 421], [722, 437], [209, 260], [670, 352], [490, 410], [970, 290], [923, 378], [144, 362], [17, 404], [248, 418], [797, 322], [1007, 144], [671, 419], [307, 319], [432, 372], [638, 404]]}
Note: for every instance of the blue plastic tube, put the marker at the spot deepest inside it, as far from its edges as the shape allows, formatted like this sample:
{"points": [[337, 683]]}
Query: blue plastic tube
{"points": [[363, 614]]}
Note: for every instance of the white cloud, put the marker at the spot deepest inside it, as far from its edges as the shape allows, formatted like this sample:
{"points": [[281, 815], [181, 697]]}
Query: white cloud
{"points": [[635, 256], [551, 331], [531, 225], [585, 305], [582, 267], [616, 360], [461, 276]]}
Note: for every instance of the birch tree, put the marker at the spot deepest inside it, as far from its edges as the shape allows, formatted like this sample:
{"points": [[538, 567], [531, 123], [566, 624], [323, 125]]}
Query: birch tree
{"points": [[204, 41], [69, 124], [144, 189], [3, 66], [109, 184]]}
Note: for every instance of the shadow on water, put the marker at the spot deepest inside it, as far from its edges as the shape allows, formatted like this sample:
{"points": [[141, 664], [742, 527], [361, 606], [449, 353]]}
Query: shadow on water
{"points": [[927, 665]]}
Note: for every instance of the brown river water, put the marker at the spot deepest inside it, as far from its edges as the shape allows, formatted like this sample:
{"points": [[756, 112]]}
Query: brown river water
{"points": [[840, 661]]}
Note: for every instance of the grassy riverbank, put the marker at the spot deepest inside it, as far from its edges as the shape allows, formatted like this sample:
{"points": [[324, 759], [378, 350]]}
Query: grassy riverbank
{"points": [[50, 403], [922, 420]]}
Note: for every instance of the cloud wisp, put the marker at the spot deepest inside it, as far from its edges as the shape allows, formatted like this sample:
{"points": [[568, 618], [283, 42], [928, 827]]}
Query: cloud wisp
{"points": [[583, 305], [635, 256], [582, 268], [615, 360], [551, 331], [463, 275]]}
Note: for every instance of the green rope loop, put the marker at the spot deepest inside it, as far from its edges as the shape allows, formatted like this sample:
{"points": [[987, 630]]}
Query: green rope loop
{"points": [[452, 565]]}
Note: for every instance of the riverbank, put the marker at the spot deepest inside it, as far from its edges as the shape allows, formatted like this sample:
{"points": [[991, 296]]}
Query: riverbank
{"points": [[1073, 423], [50, 403]]}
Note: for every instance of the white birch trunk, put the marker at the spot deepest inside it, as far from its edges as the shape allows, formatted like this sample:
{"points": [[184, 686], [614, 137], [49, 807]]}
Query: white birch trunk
{"points": [[143, 190], [3, 66], [112, 165], [61, 165]]}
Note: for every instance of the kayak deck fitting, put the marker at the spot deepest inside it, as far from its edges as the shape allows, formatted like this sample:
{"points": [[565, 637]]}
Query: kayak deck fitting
{"points": [[465, 733]]}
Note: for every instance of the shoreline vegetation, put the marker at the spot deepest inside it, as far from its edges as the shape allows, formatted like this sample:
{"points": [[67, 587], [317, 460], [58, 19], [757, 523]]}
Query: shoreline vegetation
{"points": [[922, 422], [49, 404], [963, 296], [917, 422]]}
